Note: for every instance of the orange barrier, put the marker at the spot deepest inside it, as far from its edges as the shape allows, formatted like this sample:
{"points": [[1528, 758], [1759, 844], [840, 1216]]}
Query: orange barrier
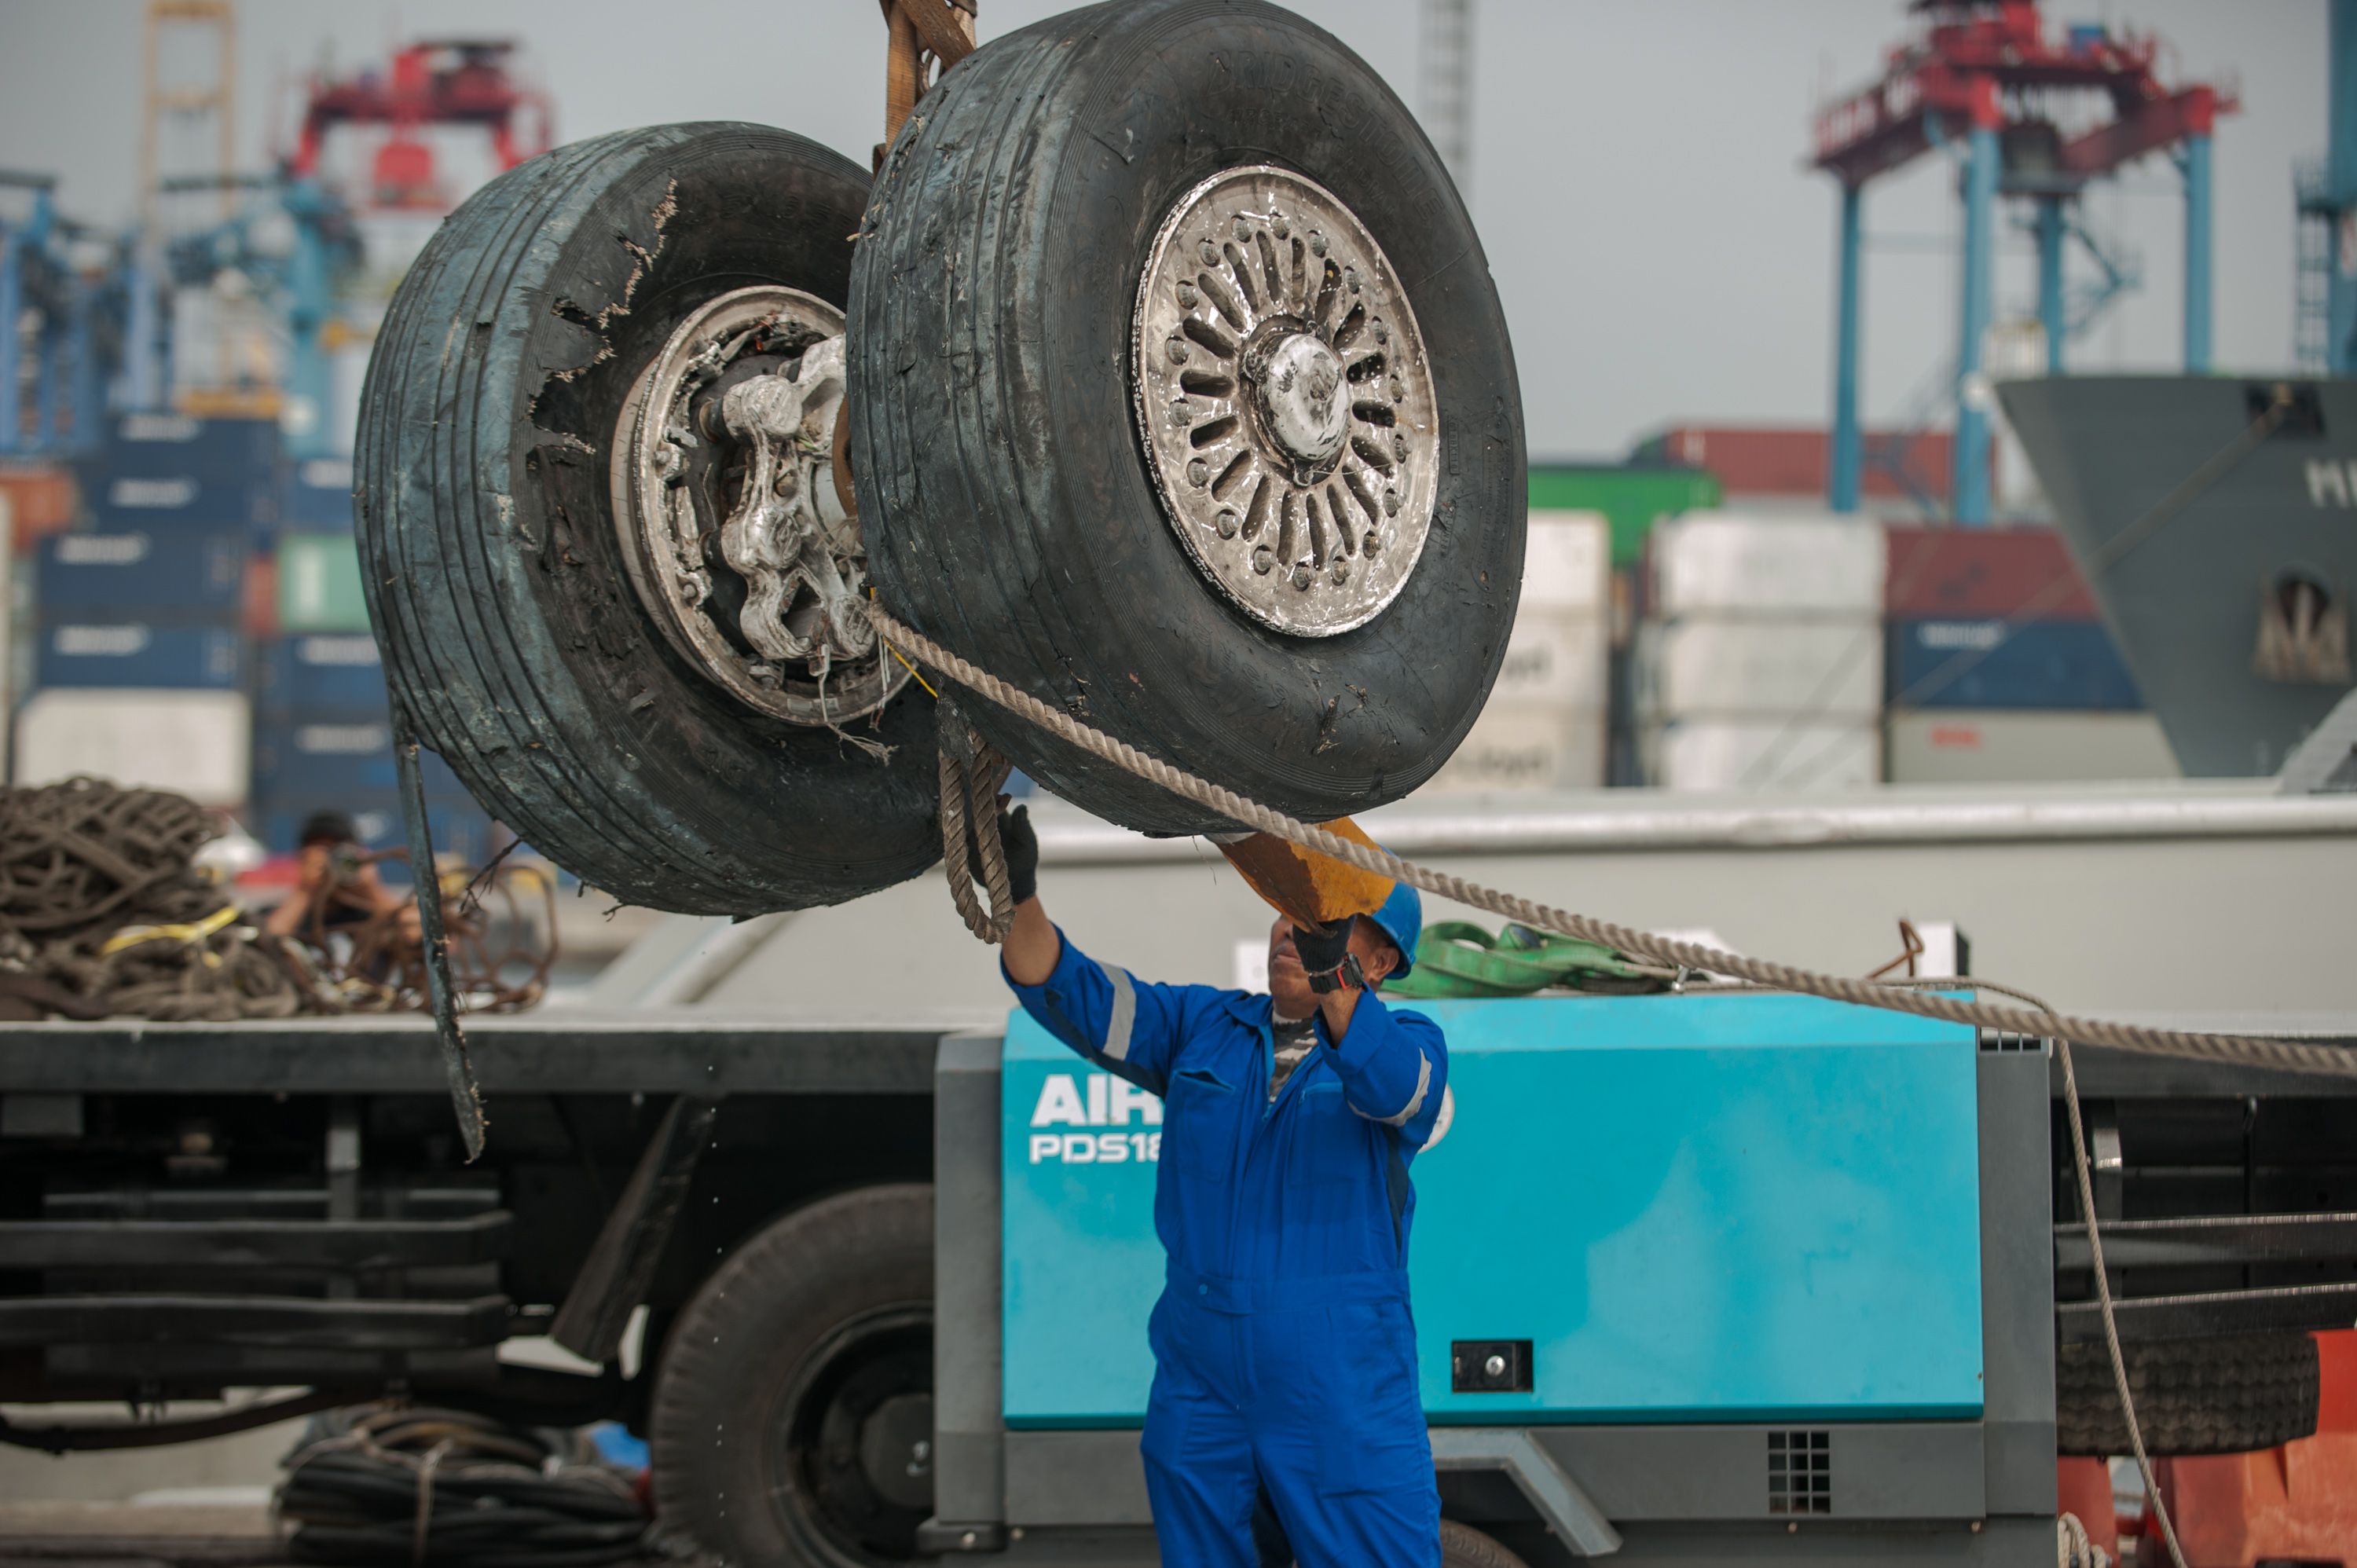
{"points": [[2084, 1487], [2297, 1503]]}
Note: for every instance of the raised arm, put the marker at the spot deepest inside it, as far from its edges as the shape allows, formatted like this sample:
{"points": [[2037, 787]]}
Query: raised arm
{"points": [[1393, 1066], [1127, 1027]]}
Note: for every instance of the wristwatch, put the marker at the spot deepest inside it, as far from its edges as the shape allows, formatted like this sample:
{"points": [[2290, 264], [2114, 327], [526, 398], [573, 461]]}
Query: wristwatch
{"points": [[1346, 975]]}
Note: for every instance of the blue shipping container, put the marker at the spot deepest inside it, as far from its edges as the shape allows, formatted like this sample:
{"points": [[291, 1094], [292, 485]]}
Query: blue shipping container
{"points": [[166, 446], [119, 501], [187, 575], [319, 495], [140, 653], [339, 759], [323, 675], [1975, 664], [461, 830]]}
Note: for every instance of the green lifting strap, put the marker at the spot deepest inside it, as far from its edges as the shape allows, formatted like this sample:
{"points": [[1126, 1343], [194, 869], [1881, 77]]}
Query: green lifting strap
{"points": [[1457, 958]]}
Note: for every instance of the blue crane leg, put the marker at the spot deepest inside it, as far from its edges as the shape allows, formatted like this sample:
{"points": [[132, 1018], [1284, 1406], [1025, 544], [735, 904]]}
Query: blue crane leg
{"points": [[2197, 254], [2050, 279], [1848, 449], [1971, 485]]}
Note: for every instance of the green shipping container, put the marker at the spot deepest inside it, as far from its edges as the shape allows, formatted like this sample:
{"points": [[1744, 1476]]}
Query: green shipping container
{"points": [[319, 584], [1633, 499]]}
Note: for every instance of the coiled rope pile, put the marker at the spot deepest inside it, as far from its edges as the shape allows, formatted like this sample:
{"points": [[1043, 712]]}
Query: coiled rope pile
{"points": [[104, 914], [103, 911], [2036, 1021]]}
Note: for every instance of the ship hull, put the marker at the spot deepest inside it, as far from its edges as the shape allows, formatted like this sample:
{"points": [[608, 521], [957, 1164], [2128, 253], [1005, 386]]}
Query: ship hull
{"points": [[2184, 596]]}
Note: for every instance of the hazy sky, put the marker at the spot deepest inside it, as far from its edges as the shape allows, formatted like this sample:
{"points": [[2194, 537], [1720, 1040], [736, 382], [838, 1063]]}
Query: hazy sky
{"points": [[1639, 174]]}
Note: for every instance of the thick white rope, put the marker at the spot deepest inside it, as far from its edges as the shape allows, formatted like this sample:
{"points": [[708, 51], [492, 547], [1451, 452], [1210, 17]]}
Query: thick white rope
{"points": [[2283, 1056]]}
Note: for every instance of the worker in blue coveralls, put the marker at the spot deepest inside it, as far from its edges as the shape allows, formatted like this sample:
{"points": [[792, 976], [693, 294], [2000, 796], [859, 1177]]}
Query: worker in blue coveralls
{"points": [[1285, 1422]]}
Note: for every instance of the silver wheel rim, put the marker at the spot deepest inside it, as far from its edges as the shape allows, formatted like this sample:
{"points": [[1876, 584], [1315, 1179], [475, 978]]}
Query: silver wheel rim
{"points": [[724, 496], [1285, 400]]}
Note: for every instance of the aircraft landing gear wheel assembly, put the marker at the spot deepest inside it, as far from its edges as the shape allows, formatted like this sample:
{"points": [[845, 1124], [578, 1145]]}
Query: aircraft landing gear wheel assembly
{"points": [[1179, 396], [614, 580], [1182, 398]]}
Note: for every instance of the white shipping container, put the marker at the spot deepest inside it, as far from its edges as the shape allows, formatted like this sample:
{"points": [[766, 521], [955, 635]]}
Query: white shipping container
{"points": [[1765, 753], [1708, 563], [193, 743], [1567, 563], [1563, 659], [1524, 746], [1831, 670], [2025, 746]]}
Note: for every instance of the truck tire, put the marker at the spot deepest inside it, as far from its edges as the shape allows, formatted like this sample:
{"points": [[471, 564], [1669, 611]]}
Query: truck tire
{"points": [[792, 1425], [558, 673], [1117, 268], [1463, 1546], [2193, 1397]]}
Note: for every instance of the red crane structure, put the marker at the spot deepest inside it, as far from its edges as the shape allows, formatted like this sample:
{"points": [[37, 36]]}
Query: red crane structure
{"points": [[436, 81], [2030, 117]]}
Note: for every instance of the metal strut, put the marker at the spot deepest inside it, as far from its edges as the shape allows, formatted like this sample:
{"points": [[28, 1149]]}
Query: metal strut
{"points": [[457, 1067]]}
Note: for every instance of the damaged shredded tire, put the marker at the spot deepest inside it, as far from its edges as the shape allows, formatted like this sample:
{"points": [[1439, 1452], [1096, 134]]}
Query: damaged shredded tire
{"points": [[1182, 398], [2193, 1397], [596, 369]]}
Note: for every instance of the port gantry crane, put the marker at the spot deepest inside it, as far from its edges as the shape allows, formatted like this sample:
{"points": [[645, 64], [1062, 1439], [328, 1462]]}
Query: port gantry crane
{"points": [[1986, 83]]}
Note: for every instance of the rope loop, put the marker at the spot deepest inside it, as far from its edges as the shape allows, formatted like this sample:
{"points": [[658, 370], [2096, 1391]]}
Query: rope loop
{"points": [[971, 774]]}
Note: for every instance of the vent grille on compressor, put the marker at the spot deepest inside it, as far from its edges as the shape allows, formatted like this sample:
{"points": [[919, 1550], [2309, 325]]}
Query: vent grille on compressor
{"points": [[1799, 1472]]}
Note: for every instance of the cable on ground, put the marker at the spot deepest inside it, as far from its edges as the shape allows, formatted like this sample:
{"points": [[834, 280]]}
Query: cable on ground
{"points": [[405, 1486]]}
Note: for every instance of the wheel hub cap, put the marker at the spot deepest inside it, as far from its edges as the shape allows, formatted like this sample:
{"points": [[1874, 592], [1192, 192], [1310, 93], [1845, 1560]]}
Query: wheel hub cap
{"points": [[1285, 402], [1296, 387], [731, 528]]}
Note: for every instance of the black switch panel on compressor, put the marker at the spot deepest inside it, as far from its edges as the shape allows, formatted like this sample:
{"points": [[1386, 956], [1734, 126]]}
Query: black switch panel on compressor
{"points": [[1489, 1365]]}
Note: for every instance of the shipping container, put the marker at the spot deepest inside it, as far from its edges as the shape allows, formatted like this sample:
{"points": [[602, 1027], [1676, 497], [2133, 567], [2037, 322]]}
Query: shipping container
{"points": [[323, 676], [184, 501], [1633, 499], [36, 500], [1567, 563], [2025, 746], [1562, 660], [1797, 462], [115, 653], [1792, 755], [198, 744], [169, 574], [1525, 747], [171, 446], [319, 584], [1734, 668], [1981, 573], [461, 832], [1717, 562], [334, 758], [319, 495], [1979, 664]]}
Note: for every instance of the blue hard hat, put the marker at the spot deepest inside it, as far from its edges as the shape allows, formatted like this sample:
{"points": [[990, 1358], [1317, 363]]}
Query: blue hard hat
{"points": [[1402, 919]]}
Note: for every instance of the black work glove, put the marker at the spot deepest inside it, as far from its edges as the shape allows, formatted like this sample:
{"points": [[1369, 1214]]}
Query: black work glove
{"points": [[1018, 846], [1322, 952]]}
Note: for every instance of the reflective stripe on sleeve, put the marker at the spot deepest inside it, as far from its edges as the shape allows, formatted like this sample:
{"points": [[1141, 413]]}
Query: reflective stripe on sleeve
{"points": [[1124, 1016], [1415, 1101]]}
